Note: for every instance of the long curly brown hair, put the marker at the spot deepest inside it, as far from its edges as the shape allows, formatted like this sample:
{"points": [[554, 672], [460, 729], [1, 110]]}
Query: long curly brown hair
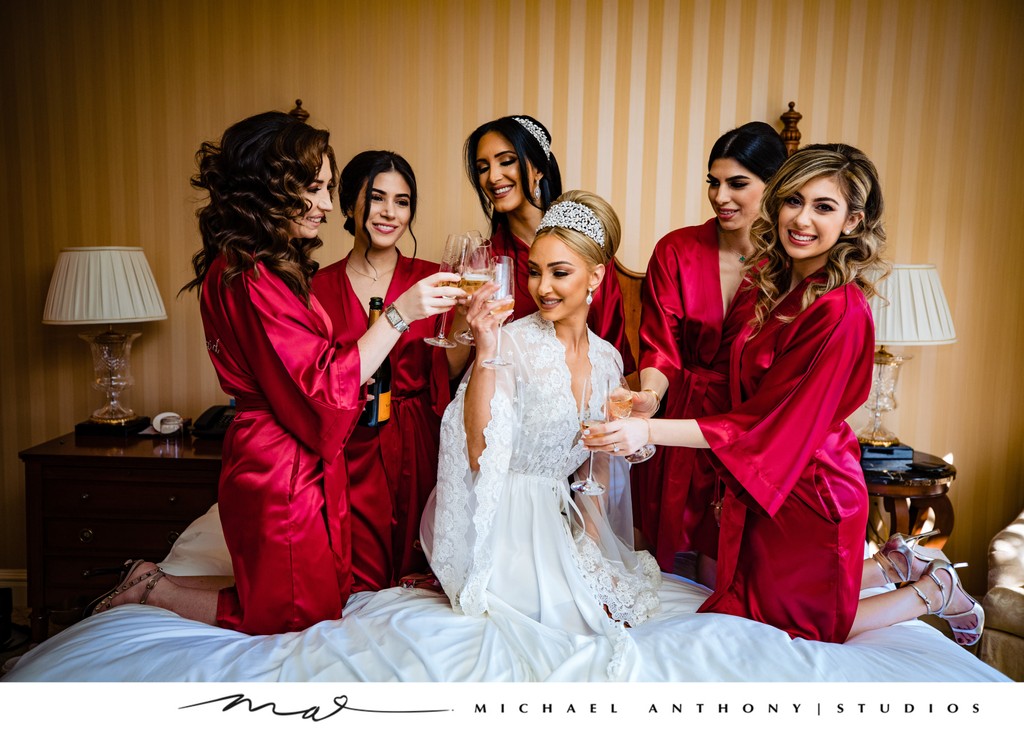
{"points": [[856, 257], [255, 178]]}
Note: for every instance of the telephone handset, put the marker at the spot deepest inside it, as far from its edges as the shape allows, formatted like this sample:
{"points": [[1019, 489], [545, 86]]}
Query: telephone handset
{"points": [[214, 422]]}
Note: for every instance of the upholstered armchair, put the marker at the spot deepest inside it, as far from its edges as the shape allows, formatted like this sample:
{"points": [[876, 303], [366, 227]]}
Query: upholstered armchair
{"points": [[1002, 644]]}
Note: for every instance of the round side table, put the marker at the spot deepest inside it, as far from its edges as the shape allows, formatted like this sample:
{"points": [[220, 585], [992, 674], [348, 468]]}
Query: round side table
{"points": [[908, 494]]}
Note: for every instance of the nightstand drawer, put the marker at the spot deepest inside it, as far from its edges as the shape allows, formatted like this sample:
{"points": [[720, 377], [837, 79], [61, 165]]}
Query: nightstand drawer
{"points": [[94, 498], [105, 535], [155, 474], [94, 503], [80, 574]]}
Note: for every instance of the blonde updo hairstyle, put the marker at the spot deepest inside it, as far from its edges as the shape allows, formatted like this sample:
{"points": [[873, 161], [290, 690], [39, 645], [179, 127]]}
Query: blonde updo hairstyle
{"points": [[855, 258], [590, 251]]}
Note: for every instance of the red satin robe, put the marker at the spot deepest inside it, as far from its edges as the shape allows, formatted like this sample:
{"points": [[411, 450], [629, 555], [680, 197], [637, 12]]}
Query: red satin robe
{"points": [[392, 469], [283, 486], [681, 335], [792, 538], [606, 317]]}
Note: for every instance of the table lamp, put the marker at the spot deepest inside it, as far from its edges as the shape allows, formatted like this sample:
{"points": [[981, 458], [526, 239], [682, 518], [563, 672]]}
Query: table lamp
{"points": [[105, 285], [910, 310]]}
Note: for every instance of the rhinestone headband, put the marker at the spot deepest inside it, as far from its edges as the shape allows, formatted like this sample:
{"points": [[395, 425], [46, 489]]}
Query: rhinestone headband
{"points": [[534, 129], [571, 215]]}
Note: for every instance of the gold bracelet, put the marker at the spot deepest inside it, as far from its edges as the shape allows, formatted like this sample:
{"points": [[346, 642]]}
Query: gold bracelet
{"points": [[657, 398], [646, 420]]}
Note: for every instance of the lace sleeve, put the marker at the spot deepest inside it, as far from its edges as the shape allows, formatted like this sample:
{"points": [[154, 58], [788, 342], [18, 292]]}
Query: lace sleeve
{"points": [[465, 501], [624, 581]]}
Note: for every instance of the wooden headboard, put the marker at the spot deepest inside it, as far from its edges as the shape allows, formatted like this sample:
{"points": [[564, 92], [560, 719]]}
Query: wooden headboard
{"points": [[631, 281]]}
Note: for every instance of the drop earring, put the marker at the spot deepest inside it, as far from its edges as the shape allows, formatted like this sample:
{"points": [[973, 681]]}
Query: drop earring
{"points": [[590, 296], [536, 191]]}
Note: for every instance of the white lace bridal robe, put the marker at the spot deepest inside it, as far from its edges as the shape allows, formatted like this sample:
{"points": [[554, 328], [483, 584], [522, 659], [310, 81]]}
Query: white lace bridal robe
{"points": [[555, 571]]}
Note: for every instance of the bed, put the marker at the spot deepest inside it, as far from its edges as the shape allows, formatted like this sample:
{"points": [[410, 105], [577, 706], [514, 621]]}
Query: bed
{"points": [[412, 635]]}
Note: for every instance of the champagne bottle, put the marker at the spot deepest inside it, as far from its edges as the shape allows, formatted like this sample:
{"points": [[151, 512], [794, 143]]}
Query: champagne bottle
{"points": [[378, 410]]}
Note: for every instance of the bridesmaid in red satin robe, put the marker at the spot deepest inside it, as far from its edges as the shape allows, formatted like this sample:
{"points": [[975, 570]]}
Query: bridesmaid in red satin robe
{"points": [[393, 468], [692, 279], [283, 489], [791, 551], [515, 174]]}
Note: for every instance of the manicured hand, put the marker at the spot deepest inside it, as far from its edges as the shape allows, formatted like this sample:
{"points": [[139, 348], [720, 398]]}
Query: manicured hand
{"points": [[430, 296], [620, 437]]}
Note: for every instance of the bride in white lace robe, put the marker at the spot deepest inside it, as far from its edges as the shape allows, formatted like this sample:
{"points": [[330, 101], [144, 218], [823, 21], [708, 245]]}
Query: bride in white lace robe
{"points": [[511, 540]]}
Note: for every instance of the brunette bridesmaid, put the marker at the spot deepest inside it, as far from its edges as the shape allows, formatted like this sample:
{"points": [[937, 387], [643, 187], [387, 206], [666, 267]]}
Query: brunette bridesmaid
{"points": [[392, 468], [692, 280], [515, 174]]}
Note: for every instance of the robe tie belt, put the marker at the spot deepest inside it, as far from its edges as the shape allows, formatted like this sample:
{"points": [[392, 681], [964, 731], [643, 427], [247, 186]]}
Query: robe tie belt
{"points": [[251, 404], [409, 395], [567, 504], [708, 374]]}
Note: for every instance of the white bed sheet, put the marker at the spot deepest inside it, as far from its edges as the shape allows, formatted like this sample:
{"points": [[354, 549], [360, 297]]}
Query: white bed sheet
{"points": [[413, 635]]}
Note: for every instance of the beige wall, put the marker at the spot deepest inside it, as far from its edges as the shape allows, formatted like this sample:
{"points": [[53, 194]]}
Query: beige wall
{"points": [[105, 103]]}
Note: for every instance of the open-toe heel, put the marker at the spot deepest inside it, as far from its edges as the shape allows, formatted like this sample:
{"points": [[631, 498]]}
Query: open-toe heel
{"points": [[970, 634], [125, 582], [896, 557]]}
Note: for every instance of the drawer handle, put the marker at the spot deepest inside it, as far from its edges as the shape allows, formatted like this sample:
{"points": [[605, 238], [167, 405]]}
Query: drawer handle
{"points": [[172, 537], [172, 498], [85, 536], [85, 496]]}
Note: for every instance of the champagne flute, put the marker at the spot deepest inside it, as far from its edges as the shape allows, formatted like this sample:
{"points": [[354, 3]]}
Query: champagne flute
{"points": [[620, 406], [503, 273], [476, 270], [451, 261], [588, 418]]}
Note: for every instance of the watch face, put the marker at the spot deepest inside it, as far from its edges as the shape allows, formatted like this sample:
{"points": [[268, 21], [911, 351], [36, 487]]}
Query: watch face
{"points": [[396, 319]]}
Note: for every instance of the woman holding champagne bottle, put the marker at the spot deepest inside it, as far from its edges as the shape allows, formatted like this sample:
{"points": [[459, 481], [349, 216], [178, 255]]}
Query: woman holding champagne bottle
{"points": [[392, 465], [515, 174]]}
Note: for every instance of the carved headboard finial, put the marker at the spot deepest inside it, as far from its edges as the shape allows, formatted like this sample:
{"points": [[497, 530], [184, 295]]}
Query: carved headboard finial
{"points": [[790, 131], [302, 115]]}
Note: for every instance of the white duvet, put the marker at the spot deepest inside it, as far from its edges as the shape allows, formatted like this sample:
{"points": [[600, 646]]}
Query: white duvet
{"points": [[413, 635]]}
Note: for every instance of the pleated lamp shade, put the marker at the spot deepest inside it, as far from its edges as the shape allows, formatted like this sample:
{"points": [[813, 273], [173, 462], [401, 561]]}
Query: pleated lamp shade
{"points": [[917, 313], [102, 285]]}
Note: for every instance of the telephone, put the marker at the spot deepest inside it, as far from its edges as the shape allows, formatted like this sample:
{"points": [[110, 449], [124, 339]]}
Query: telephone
{"points": [[214, 422]]}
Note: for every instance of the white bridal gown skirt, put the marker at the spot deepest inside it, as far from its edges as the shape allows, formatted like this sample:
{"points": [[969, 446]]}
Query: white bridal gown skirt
{"points": [[537, 595]]}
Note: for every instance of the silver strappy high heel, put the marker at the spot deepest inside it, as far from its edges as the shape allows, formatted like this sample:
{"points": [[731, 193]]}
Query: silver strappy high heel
{"points": [[971, 634], [897, 556]]}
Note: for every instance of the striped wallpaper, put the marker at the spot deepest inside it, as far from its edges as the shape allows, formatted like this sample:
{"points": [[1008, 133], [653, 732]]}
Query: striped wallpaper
{"points": [[106, 102]]}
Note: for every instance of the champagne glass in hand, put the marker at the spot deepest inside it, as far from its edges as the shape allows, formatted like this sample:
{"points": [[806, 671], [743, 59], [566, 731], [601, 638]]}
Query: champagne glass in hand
{"points": [[620, 406], [503, 275], [476, 270], [588, 418], [451, 261]]}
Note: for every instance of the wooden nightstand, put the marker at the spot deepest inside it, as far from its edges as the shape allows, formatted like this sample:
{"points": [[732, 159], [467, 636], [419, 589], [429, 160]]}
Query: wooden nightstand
{"points": [[95, 502], [908, 494]]}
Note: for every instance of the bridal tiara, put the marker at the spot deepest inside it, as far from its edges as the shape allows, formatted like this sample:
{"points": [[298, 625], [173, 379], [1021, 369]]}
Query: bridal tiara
{"points": [[574, 216], [534, 129]]}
